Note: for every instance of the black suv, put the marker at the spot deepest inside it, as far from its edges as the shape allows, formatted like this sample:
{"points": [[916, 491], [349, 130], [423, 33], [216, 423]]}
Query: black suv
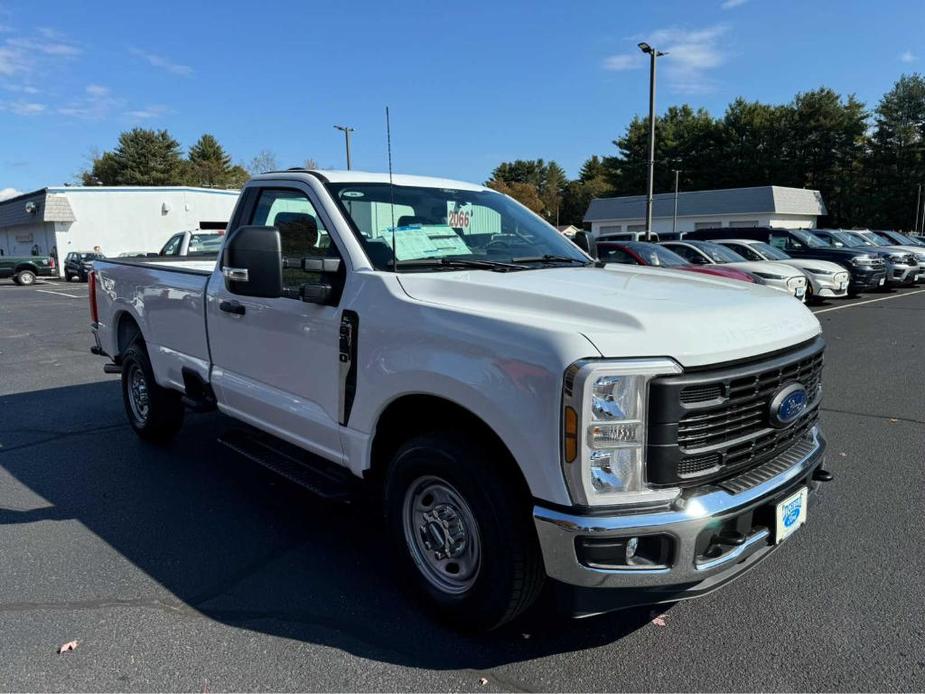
{"points": [[866, 267], [79, 264]]}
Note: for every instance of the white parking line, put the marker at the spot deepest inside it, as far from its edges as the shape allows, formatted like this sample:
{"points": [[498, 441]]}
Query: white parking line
{"points": [[870, 301], [69, 296]]}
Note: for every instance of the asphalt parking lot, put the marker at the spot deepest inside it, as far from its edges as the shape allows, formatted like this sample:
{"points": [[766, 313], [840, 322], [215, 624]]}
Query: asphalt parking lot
{"points": [[187, 568]]}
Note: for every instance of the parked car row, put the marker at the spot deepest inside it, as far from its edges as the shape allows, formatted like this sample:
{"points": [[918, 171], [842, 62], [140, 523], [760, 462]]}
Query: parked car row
{"points": [[810, 264]]}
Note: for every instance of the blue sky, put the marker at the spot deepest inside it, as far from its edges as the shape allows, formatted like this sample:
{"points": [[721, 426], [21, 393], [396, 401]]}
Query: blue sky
{"points": [[469, 84]]}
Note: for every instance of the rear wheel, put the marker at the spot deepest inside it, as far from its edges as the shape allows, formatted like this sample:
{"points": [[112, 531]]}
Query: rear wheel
{"points": [[462, 526], [155, 413], [25, 278]]}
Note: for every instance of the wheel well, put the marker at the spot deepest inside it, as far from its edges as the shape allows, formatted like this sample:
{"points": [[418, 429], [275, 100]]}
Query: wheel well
{"points": [[126, 331], [26, 266], [412, 415]]}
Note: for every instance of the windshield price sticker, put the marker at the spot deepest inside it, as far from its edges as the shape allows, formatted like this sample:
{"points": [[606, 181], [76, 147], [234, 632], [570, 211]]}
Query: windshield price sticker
{"points": [[459, 215]]}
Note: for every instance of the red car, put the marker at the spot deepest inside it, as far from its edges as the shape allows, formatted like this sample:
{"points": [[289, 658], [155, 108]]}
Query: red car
{"points": [[641, 253]]}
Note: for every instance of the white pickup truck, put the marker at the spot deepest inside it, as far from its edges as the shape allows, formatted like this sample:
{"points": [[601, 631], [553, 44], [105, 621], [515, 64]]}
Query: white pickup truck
{"points": [[623, 436]]}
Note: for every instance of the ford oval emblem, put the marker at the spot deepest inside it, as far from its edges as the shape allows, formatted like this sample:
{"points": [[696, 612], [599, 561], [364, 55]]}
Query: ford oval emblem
{"points": [[788, 404]]}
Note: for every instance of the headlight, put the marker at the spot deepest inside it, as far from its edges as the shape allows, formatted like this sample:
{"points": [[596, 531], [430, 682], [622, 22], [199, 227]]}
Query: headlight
{"points": [[768, 275], [897, 258], [863, 260], [819, 271], [604, 431]]}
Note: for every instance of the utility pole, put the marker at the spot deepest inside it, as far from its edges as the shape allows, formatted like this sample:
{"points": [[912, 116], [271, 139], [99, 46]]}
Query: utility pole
{"points": [[674, 218], [653, 54], [346, 130]]}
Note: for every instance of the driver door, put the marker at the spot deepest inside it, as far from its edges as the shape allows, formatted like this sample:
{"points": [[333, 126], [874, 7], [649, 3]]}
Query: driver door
{"points": [[276, 361]]}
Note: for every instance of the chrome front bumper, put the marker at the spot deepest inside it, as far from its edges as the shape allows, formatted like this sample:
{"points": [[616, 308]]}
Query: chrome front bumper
{"points": [[690, 516]]}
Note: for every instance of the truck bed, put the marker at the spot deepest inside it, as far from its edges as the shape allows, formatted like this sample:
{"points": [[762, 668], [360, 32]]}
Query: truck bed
{"points": [[166, 299]]}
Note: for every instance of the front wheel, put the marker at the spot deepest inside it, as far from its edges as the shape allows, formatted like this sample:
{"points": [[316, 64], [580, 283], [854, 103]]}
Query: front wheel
{"points": [[155, 413], [462, 526]]}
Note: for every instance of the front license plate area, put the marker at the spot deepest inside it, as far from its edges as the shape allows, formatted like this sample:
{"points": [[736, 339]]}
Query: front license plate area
{"points": [[790, 514]]}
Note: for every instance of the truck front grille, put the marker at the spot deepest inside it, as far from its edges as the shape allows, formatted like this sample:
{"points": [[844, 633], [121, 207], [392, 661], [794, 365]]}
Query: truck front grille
{"points": [[706, 425]]}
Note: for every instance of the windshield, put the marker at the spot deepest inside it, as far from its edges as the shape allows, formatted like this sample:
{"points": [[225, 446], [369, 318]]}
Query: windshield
{"points": [[768, 251], [901, 239], [807, 238], [720, 254], [656, 255], [441, 225], [848, 240], [859, 238], [875, 238]]}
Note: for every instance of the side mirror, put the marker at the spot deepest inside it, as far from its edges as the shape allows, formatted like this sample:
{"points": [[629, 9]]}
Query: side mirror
{"points": [[252, 262], [583, 241]]}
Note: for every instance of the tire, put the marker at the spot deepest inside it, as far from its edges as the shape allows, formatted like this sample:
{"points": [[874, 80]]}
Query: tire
{"points": [[25, 278], [83, 277], [492, 570], [810, 297], [155, 413], [67, 276]]}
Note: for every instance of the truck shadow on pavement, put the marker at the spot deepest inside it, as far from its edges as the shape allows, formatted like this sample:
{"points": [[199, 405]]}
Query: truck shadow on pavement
{"points": [[238, 544]]}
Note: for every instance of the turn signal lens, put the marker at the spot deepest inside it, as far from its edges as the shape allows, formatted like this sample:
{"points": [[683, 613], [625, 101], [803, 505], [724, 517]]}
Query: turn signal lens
{"points": [[570, 435]]}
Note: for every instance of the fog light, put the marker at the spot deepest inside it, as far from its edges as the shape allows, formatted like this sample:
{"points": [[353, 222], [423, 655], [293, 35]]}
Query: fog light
{"points": [[631, 546]]}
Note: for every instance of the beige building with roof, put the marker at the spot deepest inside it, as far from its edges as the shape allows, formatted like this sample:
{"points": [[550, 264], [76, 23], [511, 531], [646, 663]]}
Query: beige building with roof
{"points": [[773, 206], [124, 219]]}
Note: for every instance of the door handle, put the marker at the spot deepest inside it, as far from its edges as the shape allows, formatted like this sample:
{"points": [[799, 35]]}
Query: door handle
{"points": [[235, 307]]}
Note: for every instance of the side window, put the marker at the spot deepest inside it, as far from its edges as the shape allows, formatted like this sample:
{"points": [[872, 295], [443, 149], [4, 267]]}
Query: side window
{"points": [[688, 253], [615, 255], [743, 250], [301, 231], [780, 241], [172, 247]]}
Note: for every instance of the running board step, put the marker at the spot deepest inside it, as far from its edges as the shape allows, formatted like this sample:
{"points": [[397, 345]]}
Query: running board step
{"points": [[319, 476]]}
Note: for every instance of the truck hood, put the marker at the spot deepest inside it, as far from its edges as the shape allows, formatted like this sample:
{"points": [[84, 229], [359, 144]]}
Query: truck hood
{"points": [[629, 311]]}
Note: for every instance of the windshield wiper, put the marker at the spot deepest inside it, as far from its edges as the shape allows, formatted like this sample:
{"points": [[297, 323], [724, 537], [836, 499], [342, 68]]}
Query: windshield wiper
{"points": [[551, 259], [494, 265]]}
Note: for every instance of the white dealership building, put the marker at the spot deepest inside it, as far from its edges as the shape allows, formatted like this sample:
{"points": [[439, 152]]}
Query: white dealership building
{"points": [[774, 206], [119, 219]]}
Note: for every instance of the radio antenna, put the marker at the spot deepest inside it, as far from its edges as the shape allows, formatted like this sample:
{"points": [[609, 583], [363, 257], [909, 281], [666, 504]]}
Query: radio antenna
{"points": [[388, 140]]}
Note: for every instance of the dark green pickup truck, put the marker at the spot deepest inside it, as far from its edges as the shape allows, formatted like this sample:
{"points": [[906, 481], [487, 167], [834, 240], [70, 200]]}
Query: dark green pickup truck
{"points": [[25, 269]]}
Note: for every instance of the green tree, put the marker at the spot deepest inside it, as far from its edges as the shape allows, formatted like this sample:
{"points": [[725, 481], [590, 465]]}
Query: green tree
{"points": [[146, 158], [896, 161], [208, 164], [525, 193]]}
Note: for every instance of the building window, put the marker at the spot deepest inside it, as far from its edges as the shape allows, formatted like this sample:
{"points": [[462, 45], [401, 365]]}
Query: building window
{"points": [[744, 223], [610, 228], [635, 227], [707, 225]]}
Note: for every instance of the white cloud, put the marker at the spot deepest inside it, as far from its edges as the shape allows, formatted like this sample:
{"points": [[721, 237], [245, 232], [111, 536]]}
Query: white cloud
{"points": [[148, 112], [624, 61], [7, 193], [163, 63], [691, 55], [45, 46], [729, 4], [23, 108], [97, 103], [908, 57]]}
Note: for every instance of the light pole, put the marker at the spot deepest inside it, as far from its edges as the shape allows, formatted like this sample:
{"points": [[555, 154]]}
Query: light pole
{"points": [[918, 205], [674, 218], [346, 130], [653, 54]]}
